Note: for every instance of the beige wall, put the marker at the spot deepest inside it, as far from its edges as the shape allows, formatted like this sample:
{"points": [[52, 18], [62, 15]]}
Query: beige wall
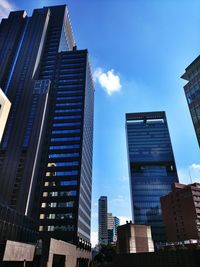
{"points": [[17, 251], [4, 111]]}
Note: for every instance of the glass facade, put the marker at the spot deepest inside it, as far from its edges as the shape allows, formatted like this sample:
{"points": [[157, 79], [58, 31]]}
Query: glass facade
{"points": [[50, 127], [192, 93], [67, 166], [151, 166]]}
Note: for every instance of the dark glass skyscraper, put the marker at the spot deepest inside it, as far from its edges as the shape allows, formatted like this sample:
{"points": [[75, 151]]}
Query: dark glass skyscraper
{"points": [[46, 150], [151, 166], [192, 93]]}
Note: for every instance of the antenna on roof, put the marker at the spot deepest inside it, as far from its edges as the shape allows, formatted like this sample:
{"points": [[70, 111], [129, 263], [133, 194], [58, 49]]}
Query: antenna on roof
{"points": [[190, 177]]}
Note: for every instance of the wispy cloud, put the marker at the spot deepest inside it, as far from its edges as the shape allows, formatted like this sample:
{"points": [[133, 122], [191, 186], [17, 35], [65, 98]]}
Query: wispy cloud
{"points": [[109, 81], [94, 238], [120, 201], [5, 8], [190, 174]]}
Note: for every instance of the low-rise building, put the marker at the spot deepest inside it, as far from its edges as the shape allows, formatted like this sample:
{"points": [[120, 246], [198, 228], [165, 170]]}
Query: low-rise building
{"points": [[134, 238]]}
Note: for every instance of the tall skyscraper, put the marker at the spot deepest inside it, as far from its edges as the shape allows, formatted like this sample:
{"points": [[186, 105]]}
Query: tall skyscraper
{"points": [[46, 149], [4, 111], [152, 167], [192, 93], [103, 221]]}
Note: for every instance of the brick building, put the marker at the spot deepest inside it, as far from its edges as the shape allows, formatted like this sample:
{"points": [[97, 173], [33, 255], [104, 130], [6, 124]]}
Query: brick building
{"points": [[181, 212]]}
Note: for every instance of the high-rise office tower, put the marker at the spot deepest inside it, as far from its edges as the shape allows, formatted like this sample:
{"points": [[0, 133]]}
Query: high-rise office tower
{"points": [[152, 167], [103, 221], [46, 149], [4, 111], [192, 92]]}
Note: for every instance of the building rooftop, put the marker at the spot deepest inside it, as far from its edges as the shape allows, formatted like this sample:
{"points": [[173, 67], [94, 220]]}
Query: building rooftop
{"points": [[195, 63], [154, 115]]}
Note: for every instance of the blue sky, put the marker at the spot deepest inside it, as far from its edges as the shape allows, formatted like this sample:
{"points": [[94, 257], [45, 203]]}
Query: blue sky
{"points": [[138, 50]]}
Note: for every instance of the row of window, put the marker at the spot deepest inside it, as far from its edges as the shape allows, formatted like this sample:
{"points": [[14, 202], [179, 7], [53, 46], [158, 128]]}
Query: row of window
{"points": [[71, 193], [62, 155], [68, 110], [67, 117], [62, 164], [66, 124], [68, 92], [68, 97], [65, 86], [63, 173], [59, 216], [61, 183], [68, 204], [70, 73], [64, 147], [61, 139], [66, 131], [68, 104], [62, 228]]}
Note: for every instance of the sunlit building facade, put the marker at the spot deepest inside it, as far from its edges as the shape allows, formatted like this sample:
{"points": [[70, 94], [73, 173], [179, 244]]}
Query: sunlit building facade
{"points": [[152, 168]]}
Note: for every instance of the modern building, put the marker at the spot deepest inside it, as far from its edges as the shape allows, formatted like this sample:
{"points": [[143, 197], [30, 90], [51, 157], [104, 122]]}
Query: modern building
{"points": [[152, 168], [112, 224], [181, 212], [4, 111], [46, 149], [192, 93], [133, 238], [103, 221]]}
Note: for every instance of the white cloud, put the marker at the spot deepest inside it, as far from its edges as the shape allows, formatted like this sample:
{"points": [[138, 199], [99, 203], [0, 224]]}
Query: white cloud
{"points": [[5, 8], [109, 81], [94, 238], [195, 166], [123, 219]]}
